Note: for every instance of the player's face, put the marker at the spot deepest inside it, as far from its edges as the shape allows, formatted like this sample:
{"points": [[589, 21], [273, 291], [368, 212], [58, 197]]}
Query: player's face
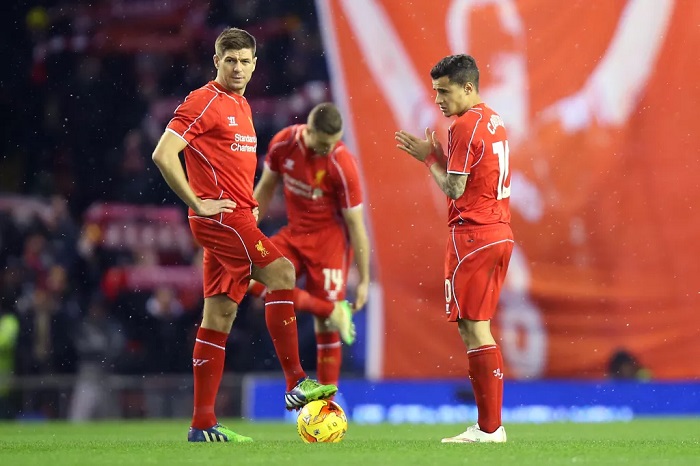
{"points": [[234, 69], [452, 98], [320, 142]]}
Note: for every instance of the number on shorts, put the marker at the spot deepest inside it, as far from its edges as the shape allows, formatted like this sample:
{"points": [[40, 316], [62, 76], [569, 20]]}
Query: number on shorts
{"points": [[501, 149], [448, 295], [333, 279]]}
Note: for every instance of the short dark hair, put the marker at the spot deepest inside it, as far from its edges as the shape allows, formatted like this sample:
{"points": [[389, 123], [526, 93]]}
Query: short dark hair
{"points": [[326, 118], [460, 69], [234, 39]]}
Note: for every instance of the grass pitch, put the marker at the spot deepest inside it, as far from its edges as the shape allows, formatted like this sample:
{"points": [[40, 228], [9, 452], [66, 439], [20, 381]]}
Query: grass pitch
{"points": [[641, 442]]}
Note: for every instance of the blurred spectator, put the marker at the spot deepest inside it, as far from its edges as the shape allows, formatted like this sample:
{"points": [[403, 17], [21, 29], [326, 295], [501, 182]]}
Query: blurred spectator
{"points": [[9, 331], [623, 365], [168, 345], [99, 342], [48, 315], [12, 282], [169, 339], [61, 232], [36, 257], [133, 169]]}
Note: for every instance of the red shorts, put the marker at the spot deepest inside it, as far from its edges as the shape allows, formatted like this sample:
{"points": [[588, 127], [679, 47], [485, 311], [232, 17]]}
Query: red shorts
{"points": [[232, 244], [475, 267], [323, 256]]}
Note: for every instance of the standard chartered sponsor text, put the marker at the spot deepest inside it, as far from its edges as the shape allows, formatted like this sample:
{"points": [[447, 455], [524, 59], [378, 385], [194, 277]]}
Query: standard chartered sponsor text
{"points": [[244, 143], [297, 187]]}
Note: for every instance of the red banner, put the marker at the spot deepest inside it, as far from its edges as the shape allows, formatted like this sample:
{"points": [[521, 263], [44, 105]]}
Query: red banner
{"points": [[600, 100], [163, 229]]}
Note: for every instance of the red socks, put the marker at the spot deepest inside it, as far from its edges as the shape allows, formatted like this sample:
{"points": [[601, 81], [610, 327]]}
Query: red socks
{"points": [[500, 391], [282, 325], [329, 356], [486, 374], [303, 301], [208, 366]]}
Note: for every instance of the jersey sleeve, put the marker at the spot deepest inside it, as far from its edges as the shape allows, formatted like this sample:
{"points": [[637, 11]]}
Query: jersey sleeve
{"points": [[348, 181], [194, 116], [463, 145], [273, 158]]}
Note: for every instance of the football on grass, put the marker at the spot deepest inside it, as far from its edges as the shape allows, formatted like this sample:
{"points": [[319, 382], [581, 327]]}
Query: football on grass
{"points": [[322, 421]]}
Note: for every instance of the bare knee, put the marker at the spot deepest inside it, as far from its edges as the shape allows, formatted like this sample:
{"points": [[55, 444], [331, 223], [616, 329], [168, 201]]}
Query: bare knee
{"points": [[228, 311], [322, 325], [219, 313], [475, 333], [279, 275], [288, 276]]}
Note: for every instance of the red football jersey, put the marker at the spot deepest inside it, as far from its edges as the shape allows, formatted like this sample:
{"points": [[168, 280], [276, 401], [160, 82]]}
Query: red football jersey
{"points": [[220, 155], [316, 187], [478, 147]]}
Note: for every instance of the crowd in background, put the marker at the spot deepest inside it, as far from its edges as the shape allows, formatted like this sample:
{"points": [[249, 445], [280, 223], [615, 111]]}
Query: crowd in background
{"points": [[89, 89]]}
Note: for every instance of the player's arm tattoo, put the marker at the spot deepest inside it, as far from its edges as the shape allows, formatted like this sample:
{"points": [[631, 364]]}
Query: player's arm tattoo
{"points": [[451, 184], [455, 185]]}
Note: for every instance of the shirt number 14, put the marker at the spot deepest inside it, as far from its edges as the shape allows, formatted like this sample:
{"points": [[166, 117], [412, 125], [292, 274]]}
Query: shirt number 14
{"points": [[501, 149]]}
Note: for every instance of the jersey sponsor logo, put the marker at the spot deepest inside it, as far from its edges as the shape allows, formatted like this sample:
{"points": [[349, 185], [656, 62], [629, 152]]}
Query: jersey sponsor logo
{"points": [[289, 164], [244, 143], [261, 249], [232, 121], [300, 188]]}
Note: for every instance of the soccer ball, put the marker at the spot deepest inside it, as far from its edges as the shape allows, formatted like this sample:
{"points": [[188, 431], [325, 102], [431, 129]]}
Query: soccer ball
{"points": [[322, 421]]}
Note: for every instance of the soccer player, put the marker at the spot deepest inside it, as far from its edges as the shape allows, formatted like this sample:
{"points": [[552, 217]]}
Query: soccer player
{"points": [[323, 196], [214, 127], [476, 180]]}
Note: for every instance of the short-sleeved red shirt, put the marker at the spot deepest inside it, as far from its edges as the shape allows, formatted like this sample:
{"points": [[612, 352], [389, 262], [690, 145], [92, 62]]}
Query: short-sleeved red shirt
{"points": [[316, 187], [478, 147], [220, 155]]}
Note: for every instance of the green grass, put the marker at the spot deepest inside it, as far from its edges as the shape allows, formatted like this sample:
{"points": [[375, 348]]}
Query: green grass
{"points": [[658, 441]]}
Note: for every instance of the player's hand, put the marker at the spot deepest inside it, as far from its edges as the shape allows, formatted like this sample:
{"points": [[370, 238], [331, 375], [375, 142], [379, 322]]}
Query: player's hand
{"points": [[361, 293], [435, 144], [256, 214], [416, 147], [209, 207]]}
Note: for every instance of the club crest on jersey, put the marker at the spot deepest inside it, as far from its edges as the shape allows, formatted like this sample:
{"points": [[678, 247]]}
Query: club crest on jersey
{"points": [[289, 164], [261, 249], [319, 177], [232, 121]]}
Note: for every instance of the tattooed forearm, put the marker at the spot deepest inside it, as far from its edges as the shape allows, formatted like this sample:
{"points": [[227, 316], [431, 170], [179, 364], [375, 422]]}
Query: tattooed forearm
{"points": [[451, 184], [454, 185]]}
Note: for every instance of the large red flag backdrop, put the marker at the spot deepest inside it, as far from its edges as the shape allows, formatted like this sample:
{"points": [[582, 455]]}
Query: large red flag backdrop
{"points": [[600, 100]]}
